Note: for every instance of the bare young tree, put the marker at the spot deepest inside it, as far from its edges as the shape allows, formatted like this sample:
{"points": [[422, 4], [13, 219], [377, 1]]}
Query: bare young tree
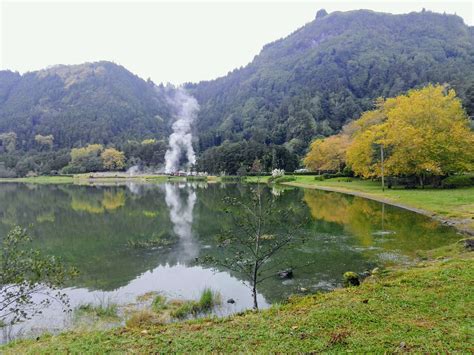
{"points": [[258, 231]]}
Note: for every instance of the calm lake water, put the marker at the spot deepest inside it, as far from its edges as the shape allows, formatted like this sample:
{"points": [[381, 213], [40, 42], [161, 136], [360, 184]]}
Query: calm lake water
{"points": [[94, 227]]}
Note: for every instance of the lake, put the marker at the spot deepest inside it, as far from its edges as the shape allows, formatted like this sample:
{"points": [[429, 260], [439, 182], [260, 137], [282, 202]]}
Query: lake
{"points": [[109, 233]]}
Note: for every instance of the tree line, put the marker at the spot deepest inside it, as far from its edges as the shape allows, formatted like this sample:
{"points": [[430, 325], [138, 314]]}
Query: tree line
{"points": [[424, 134]]}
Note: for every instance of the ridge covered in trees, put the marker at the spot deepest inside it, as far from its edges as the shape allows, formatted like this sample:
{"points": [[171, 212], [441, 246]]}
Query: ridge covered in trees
{"points": [[328, 72], [307, 85]]}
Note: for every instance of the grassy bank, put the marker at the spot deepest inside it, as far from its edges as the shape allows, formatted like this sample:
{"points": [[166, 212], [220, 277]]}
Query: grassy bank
{"points": [[456, 205], [86, 178], [42, 180], [425, 308]]}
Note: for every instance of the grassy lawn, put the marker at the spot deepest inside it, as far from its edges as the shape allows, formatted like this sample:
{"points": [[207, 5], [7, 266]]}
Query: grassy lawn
{"points": [[446, 203], [42, 180], [425, 308]]}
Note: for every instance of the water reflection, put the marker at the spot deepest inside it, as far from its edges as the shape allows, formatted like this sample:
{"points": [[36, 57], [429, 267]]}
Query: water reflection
{"points": [[181, 215], [92, 228]]}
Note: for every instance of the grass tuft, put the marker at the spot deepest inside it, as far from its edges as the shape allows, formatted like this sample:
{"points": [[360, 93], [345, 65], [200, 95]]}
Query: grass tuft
{"points": [[103, 310]]}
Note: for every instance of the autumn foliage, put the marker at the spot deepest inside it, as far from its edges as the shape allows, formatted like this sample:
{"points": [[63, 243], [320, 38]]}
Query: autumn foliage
{"points": [[423, 133]]}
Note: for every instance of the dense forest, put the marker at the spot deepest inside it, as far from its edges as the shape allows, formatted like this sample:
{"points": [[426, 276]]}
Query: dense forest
{"points": [[330, 71], [299, 88]]}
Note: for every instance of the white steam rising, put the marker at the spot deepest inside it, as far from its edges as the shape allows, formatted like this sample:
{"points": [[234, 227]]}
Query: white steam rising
{"points": [[180, 140]]}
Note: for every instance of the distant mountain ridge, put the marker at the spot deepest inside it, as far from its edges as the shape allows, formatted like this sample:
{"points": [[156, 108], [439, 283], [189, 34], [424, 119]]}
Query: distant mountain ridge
{"points": [[306, 85], [329, 71], [99, 102]]}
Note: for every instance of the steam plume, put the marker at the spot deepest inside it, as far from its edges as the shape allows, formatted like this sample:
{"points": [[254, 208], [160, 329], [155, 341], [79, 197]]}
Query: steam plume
{"points": [[181, 139]]}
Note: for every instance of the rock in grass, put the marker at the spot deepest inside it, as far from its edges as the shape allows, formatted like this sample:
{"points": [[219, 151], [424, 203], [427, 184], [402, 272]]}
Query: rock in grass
{"points": [[285, 274], [351, 279], [469, 244]]}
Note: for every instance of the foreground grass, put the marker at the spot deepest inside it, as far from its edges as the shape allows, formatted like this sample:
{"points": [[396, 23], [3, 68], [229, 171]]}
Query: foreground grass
{"points": [[454, 204], [426, 308]]}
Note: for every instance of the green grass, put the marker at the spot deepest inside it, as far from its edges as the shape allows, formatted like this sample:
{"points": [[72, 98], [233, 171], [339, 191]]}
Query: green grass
{"points": [[103, 310], [456, 204], [207, 301], [424, 308], [159, 303], [42, 180]]}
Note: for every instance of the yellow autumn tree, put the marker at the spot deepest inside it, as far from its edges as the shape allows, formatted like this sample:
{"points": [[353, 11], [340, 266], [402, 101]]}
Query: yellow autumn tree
{"points": [[113, 159], [86, 152], [423, 133], [364, 153], [328, 154], [429, 132]]}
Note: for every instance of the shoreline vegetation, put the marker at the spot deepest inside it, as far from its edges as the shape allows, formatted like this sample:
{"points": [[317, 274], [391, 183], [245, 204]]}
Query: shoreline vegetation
{"points": [[395, 309]]}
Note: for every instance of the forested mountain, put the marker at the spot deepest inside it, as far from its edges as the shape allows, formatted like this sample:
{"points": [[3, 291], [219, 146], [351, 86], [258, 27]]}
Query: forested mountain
{"points": [[329, 71], [306, 85], [78, 104]]}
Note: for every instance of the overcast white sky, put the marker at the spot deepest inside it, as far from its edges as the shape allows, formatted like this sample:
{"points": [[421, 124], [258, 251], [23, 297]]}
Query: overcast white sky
{"points": [[167, 41]]}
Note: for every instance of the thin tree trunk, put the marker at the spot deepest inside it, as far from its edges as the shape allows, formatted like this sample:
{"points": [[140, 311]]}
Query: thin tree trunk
{"points": [[383, 175], [257, 247], [254, 288]]}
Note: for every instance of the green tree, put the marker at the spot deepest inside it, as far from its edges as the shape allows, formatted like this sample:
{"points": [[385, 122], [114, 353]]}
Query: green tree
{"points": [[8, 140], [25, 273]]}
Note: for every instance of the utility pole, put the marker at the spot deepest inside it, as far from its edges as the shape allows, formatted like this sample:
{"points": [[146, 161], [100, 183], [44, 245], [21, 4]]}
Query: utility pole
{"points": [[381, 158]]}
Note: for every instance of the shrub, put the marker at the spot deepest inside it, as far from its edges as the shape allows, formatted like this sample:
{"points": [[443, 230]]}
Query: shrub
{"points": [[336, 175], [196, 178], [455, 181], [346, 179], [307, 173], [351, 278], [229, 178], [6, 172]]}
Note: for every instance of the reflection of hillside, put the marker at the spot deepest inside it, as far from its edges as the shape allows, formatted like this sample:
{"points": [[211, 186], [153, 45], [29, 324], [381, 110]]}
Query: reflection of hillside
{"points": [[376, 224], [89, 227], [96, 243]]}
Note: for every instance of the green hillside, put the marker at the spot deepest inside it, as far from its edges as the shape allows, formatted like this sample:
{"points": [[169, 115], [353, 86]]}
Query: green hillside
{"points": [[329, 71], [306, 85]]}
